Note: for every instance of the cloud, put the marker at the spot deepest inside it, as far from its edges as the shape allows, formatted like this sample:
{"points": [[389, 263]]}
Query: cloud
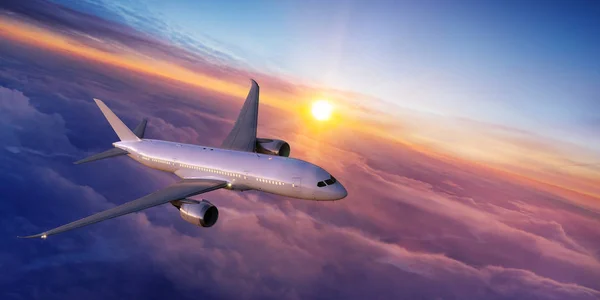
{"points": [[524, 284], [298, 259], [264, 250], [304, 243], [23, 127], [267, 250]]}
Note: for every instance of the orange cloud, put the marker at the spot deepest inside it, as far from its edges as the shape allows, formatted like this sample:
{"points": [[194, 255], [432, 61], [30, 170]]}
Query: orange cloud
{"points": [[43, 38]]}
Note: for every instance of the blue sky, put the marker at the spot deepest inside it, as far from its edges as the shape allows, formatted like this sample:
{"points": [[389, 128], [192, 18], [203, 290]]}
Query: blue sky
{"points": [[522, 64]]}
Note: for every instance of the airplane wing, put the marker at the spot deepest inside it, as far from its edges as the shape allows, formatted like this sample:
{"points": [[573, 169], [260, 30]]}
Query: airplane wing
{"points": [[177, 191], [243, 135]]}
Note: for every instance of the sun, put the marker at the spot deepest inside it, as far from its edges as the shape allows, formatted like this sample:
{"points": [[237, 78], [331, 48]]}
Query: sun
{"points": [[322, 110]]}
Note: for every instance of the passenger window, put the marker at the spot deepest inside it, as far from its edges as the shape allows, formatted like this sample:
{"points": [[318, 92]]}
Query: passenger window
{"points": [[321, 184]]}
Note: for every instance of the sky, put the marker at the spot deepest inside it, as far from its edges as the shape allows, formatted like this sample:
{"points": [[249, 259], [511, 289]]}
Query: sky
{"points": [[466, 135], [515, 63]]}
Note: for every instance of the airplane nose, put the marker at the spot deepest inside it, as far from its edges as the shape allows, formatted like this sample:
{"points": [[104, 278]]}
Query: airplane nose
{"points": [[341, 192]]}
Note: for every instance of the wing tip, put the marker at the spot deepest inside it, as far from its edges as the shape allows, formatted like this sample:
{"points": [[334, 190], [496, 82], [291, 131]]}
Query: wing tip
{"points": [[253, 82], [99, 103], [43, 236]]}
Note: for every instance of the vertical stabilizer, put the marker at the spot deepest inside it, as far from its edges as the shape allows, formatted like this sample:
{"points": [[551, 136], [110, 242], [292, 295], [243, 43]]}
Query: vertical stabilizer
{"points": [[124, 133], [243, 135], [140, 130]]}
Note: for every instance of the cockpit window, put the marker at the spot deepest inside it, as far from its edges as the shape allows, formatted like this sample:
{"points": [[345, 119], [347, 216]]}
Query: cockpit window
{"points": [[330, 181]]}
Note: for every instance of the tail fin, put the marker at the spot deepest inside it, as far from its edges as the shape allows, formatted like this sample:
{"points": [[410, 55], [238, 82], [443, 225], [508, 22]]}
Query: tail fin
{"points": [[117, 125], [140, 130]]}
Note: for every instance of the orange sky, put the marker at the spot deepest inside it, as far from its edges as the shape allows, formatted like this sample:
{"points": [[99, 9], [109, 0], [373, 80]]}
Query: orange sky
{"points": [[30, 34], [426, 135]]}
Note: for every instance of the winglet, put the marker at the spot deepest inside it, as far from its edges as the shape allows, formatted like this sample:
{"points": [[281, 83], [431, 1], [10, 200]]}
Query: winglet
{"points": [[124, 133]]}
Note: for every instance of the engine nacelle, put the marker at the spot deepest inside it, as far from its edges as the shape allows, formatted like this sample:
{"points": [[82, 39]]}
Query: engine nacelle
{"points": [[273, 147], [200, 213]]}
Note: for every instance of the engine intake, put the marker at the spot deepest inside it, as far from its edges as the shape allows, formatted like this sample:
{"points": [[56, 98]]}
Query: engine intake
{"points": [[273, 147], [200, 213]]}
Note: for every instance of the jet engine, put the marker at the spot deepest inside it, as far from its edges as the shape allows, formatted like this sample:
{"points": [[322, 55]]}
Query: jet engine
{"points": [[200, 213], [273, 147]]}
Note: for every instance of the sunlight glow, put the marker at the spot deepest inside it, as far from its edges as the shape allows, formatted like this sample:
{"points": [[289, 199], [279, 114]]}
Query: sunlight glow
{"points": [[322, 110]]}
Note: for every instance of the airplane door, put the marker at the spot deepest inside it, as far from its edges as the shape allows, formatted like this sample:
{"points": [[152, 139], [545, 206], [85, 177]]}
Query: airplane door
{"points": [[296, 182]]}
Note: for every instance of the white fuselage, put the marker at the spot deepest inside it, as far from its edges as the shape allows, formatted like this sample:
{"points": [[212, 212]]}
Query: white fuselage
{"points": [[242, 170]]}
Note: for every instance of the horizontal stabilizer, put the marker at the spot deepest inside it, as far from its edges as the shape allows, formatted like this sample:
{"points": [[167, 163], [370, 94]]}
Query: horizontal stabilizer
{"points": [[118, 126], [106, 154]]}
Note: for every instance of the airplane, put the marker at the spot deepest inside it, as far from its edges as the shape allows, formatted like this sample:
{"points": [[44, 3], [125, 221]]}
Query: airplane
{"points": [[242, 162]]}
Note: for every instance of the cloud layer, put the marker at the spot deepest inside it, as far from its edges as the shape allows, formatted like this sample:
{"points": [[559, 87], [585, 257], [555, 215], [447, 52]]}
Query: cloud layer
{"points": [[415, 226]]}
